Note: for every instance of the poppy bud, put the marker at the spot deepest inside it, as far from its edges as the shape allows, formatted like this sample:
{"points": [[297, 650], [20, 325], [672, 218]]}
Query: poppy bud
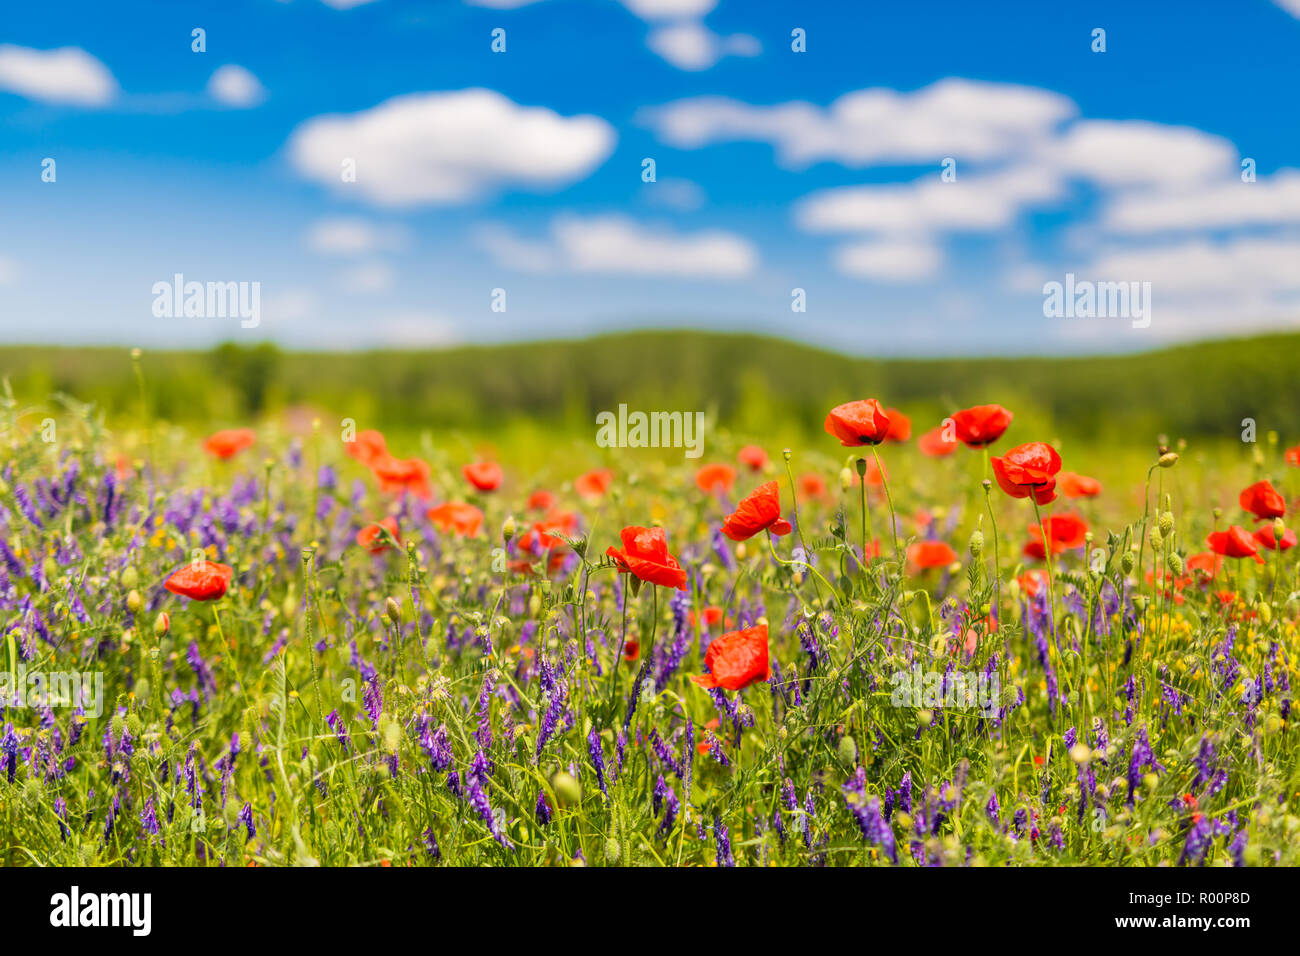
{"points": [[741, 551], [1168, 459], [1166, 523], [134, 725], [1272, 724], [786, 454], [117, 725], [1127, 561], [1155, 537], [162, 624], [1279, 530], [976, 543], [567, 789], [130, 577], [1081, 753], [848, 751], [393, 610], [508, 528], [923, 718], [611, 851], [1176, 564], [1151, 781], [846, 479], [1265, 612], [134, 602]]}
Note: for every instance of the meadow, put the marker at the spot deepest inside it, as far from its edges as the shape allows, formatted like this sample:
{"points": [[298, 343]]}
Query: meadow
{"points": [[390, 610]]}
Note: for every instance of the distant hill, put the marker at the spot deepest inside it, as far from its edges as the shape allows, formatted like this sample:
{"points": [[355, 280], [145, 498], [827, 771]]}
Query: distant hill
{"points": [[750, 381]]}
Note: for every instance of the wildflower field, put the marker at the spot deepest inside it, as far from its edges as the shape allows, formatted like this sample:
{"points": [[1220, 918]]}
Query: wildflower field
{"points": [[275, 644]]}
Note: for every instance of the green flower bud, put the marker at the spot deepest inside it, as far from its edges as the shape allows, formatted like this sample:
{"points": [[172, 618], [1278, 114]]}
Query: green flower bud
{"points": [[394, 611], [1157, 540], [134, 602], [1168, 459], [1166, 523], [567, 789], [1127, 562], [848, 751], [611, 852], [130, 577], [976, 543], [508, 528]]}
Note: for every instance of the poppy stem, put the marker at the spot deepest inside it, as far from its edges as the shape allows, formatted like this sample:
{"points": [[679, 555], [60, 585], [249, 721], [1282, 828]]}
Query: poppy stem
{"points": [[1051, 591], [618, 656], [893, 518]]}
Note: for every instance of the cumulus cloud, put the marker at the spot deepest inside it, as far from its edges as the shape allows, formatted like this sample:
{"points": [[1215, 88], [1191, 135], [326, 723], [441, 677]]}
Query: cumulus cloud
{"points": [[890, 260], [67, 75], [235, 86], [453, 147], [367, 277], [693, 46], [669, 9], [345, 4], [1137, 153], [1290, 6], [1225, 204], [970, 119], [618, 245], [348, 236]]}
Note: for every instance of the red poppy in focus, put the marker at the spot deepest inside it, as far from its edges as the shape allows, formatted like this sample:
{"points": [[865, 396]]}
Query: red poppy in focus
{"points": [[981, 425], [201, 580], [1236, 542], [645, 555], [759, 512], [541, 500], [367, 447], [1064, 531], [715, 479], [457, 517], [934, 444], [930, 554], [403, 474], [372, 538], [858, 423], [631, 649], [736, 660], [1266, 537], [1078, 486], [594, 483], [1028, 469], [813, 485], [1263, 501], [900, 426], [752, 457], [230, 442], [483, 475]]}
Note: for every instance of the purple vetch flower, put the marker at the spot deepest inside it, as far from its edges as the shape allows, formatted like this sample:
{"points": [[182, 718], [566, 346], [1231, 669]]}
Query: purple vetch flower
{"points": [[340, 730], [431, 844], [875, 828], [597, 754], [723, 838], [149, 817], [246, 818], [993, 811], [1198, 843], [483, 734], [542, 811], [479, 801]]}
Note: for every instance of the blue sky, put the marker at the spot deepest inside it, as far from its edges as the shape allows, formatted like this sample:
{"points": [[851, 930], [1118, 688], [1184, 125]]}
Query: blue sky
{"points": [[775, 170]]}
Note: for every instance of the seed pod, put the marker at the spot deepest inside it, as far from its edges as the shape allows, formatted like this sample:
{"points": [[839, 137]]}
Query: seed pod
{"points": [[1166, 523], [1176, 564], [976, 543], [1157, 540], [1127, 561]]}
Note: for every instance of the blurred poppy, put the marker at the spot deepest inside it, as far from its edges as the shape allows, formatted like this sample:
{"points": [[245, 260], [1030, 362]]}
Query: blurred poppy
{"points": [[1262, 500], [372, 537], [1236, 542], [541, 500], [367, 447], [715, 479], [1064, 531], [1293, 456], [1266, 537], [930, 554], [812, 485], [900, 426], [1077, 486], [1032, 582], [752, 457], [761, 511], [1206, 563], [981, 425], [858, 423], [737, 659], [1028, 469], [483, 475], [403, 474], [593, 484], [458, 517], [645, 555], [631, 649], [538, 539], [201, 580], [934, 444], [230, 442], [712, 615]]}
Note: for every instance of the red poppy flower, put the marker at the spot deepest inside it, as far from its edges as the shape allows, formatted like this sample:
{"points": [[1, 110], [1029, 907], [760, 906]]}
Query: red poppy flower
{"points": [[371, 537], [403, 474], [981, 425], [1032, 582], [230, 442], [715, 479], [759, 512], [1206, 563], [1263, 501], [712, 615], [1028, 469], [594, 483], [1265, 537], [367, 447], [858, 423], [900, 426], [1236, 542], [752, 457], [201, 580], [631, 649], [457, 517], [541, 500], [483, 475], [930, 554], [1293, 456], [1078, 486], [736, 660], [645, 555], [934, 444], [537, 538], [812, 485], [1064, 531]]}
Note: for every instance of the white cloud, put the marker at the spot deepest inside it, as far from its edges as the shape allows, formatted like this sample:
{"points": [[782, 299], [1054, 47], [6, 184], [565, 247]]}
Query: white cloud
{"points": [[8, 271], [1137, 153], [1197, 267], [367, 277], [620, 246], [452, 147], [1290, 6], [969, 203], [680, 195], [345, 4], [968, 119], [414, 329], [289, 306], [235, 86], [1270, 201], [669, 9], [692, 46], [890, 260], [501, 4], [67, 75], [344, 236]]}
